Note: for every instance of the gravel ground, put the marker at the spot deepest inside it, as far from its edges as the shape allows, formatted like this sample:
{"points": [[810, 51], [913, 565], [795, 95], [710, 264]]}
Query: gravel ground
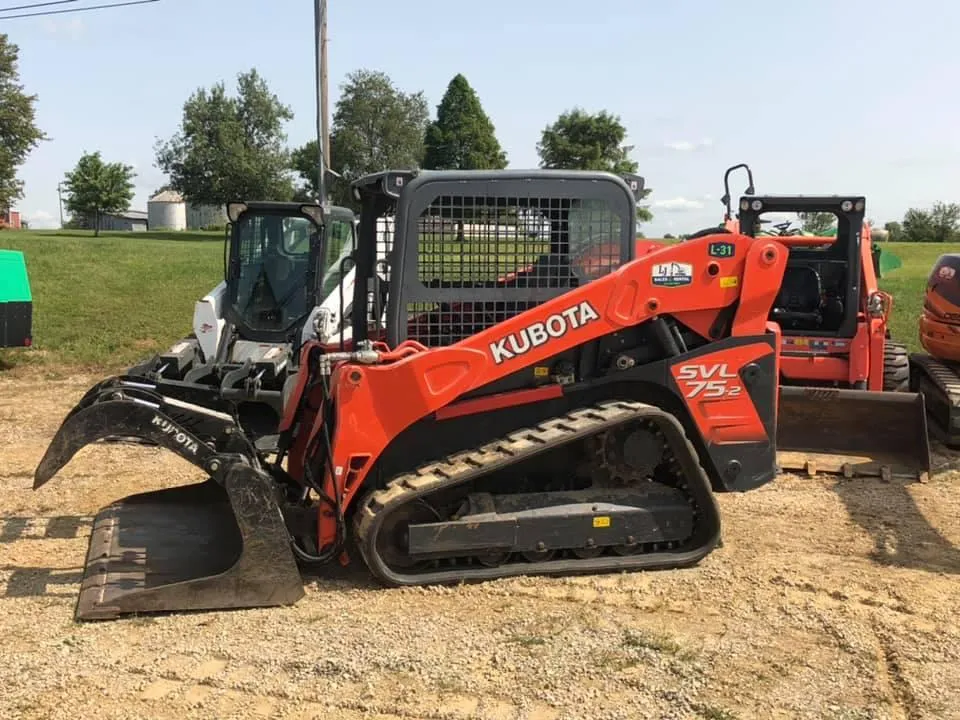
{"points": [[828, 600]]}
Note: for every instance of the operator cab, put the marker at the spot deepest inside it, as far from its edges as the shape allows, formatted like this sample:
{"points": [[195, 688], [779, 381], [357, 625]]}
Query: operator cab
{"points": [[277, 255], [820, 294], [480, 246]]}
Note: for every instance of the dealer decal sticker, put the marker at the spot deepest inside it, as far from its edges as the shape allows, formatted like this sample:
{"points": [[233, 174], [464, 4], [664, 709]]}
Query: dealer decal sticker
{"points": [[672, 274]]}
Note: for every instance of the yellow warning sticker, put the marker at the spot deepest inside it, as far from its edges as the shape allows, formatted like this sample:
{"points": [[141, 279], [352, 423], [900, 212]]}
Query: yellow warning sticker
{"points": [[603, 521], [541, 371], [729, 282]]}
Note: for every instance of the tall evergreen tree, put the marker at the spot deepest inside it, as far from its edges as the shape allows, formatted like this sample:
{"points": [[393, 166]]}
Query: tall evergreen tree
{"points": [[462, 137]]}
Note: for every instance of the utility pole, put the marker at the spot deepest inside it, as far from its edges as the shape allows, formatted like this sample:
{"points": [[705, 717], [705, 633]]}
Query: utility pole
{"points": [[60, 204], [323, 131]]}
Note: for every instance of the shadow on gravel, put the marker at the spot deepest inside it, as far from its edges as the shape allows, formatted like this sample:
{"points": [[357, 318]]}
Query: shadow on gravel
{"points": [[59, 527], [902, 536], [40, 581]]}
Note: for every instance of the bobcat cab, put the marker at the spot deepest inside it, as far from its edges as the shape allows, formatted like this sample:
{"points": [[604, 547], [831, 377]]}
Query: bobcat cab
{"points": [[279, 267]]}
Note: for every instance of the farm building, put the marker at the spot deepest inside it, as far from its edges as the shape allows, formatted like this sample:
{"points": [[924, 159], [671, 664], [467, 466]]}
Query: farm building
{"points": [[167, 210], [127, 221], [131, 220], [10, 219]]}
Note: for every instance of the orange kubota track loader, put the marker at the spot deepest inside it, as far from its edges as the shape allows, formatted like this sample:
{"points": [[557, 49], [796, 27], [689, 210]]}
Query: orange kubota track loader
{"points": [[936, 373], [846, 405], [538, 403]]}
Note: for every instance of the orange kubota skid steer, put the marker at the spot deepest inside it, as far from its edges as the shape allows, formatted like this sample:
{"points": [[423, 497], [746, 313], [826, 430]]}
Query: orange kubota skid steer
{"points": [[846, 405], [539, 401]]}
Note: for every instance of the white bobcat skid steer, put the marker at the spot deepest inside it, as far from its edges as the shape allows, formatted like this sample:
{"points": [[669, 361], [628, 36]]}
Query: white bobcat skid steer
{"points": [[247, 330]]}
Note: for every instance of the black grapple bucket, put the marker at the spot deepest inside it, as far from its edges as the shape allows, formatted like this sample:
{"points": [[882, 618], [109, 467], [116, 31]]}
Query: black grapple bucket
{"points": [[194, 547], [852, 433], [217, 544]]}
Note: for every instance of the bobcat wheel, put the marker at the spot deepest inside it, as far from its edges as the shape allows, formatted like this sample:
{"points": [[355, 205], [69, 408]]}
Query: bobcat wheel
{"points": [[896, 368]]}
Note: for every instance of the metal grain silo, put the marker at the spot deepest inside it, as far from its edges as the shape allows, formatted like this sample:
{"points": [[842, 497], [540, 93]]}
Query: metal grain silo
{"points": [[166, 211]]}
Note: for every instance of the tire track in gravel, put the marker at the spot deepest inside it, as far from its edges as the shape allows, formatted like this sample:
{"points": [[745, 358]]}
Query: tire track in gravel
{"points": [[223, 686], [894, 680]]}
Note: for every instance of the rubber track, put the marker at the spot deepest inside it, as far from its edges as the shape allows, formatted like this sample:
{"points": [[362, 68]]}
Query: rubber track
{"points": [[947, 382], [518, 446]]}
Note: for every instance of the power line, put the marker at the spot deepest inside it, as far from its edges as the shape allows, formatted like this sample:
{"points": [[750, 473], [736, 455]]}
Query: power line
{"points": [[31, 6], [73, 10]]}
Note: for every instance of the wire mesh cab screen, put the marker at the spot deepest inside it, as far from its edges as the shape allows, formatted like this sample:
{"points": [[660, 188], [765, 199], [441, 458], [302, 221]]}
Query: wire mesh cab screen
{"points": [[477, 252]]}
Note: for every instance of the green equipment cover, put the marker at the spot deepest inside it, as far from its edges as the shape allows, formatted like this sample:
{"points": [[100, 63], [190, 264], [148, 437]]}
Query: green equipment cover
{"points": [[16, 301]]}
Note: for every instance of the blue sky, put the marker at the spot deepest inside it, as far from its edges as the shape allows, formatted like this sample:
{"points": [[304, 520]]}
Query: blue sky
{"points": [[819, 96]]}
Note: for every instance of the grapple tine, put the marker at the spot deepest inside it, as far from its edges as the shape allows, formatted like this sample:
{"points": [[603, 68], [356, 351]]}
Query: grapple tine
{"points": [[108, 385], [127, 417], [852, 432]]}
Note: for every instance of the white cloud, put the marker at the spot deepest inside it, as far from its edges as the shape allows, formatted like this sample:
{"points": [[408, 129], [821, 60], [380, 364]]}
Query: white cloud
{"points": [[678, 205], [72, 28], [688, 145], [42, 219]]}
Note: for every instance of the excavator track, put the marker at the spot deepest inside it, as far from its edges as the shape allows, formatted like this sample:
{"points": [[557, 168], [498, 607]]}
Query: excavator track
{"points": [[666, 525], [939, 383]]}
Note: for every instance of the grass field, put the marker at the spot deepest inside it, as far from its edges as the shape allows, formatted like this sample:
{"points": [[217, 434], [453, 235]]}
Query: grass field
{"points": [[907, 285], [109, 301]]}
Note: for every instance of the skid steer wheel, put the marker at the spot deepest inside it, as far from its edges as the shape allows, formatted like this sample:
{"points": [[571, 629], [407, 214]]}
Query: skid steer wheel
{"points": [[896, 368]]}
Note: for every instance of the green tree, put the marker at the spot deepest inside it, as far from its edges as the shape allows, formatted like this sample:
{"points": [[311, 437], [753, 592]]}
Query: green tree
{"points": [[94, 187], [579, 140], [818, 223], [375, 126], [19, 133], [945, 218], [462, 137], [917, 226], [230, 148], [894, 231], [941, 223]]}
